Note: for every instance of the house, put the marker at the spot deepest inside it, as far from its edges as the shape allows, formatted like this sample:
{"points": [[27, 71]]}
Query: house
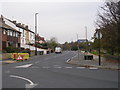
{"points": [[27, 36], [19, 35], [10, 35]]}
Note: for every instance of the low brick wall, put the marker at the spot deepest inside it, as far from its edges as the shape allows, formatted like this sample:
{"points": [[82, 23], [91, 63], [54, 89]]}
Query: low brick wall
{"points": [[32, 53], [6, 56]]}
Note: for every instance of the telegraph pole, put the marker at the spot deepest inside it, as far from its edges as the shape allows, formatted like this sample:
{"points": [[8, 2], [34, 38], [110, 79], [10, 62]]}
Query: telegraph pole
{"points": [[86, 38], [36, 33], [78, 46]]}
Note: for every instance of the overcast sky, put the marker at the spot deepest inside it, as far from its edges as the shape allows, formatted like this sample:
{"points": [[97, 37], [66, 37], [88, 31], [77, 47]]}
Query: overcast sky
{"points": [[62, 20]]}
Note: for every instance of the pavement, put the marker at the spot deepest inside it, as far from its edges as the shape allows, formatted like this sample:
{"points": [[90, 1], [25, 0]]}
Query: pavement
{"points": [[93, 63]]}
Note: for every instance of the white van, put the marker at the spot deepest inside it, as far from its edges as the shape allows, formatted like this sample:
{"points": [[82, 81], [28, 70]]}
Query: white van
{"points": [[58, 50]]}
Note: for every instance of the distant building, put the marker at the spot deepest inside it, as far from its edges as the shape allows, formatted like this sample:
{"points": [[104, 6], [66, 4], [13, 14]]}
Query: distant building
{"points": [[10, 36]]}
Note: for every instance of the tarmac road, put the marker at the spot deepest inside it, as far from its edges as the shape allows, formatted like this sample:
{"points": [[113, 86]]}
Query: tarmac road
{"points": [[52, 71]]}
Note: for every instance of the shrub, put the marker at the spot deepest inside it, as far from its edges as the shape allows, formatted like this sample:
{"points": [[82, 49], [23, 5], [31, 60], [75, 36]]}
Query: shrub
{"points": [[10, 49]]}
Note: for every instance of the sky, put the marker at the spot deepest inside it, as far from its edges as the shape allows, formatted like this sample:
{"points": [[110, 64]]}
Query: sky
{"points": [[62, 19]]}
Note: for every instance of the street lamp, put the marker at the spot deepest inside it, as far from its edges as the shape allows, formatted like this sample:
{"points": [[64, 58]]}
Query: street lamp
{"points": [[36, 33]]}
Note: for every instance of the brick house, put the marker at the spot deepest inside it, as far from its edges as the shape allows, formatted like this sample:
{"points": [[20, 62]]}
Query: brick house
{"points": [[10, 36]]}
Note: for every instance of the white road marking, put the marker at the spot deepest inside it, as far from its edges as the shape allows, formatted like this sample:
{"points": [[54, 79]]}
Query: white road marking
{"points": [[93, 68], [80, 67], [24, 66], [57, 67], [68, 67], [68, 60], [31, 85]]}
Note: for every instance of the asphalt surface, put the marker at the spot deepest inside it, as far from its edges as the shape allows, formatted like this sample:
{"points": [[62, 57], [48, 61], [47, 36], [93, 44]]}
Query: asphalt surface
{"points": [[52, 71]]}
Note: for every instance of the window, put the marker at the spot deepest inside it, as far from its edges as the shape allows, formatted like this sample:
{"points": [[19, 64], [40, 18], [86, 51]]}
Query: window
{"points": [[16, 34], [22, 40], [10, 33], [16, 45], [4, 31], [9, 44]]}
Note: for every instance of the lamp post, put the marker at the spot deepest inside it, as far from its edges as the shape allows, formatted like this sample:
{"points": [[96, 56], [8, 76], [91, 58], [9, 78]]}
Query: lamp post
{"points": [[36, 33]]}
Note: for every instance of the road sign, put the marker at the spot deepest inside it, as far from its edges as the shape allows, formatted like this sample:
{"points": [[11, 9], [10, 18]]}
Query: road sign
{"points": [[16, 56], [19, 58], [98, 35]]}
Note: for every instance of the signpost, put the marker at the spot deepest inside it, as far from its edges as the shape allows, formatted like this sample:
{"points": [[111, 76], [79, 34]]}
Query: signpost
{"points": [[99, 36]]}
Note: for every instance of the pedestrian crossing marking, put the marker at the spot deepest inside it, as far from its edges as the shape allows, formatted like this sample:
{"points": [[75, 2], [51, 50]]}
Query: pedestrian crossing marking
{"points": [[68, 67]]}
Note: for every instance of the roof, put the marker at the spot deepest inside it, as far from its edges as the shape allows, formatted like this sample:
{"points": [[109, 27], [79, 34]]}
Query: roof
{"points": [[17, 24], [5, 26]]}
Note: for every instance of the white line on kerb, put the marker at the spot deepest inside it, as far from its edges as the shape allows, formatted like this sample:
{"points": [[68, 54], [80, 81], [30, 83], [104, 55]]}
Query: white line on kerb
{"points": [[31, 83]]}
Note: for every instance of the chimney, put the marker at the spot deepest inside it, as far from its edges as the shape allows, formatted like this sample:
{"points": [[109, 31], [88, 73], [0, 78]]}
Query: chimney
{"points": [[26, 27], [14, 22], [19, 24]]}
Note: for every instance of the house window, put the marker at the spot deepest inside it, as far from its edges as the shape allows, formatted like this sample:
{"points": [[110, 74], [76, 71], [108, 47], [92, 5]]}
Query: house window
{"points": [[16, 45], [10, 33], [16, 34], [22, 40], [4, 31], [9, 43], [13, 34]]}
